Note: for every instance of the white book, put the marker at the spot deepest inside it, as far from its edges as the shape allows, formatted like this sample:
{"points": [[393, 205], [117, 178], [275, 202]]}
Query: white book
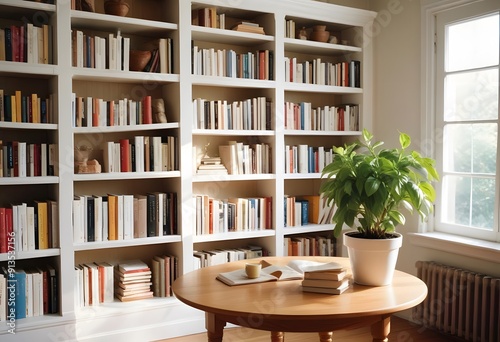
{"points": [[139, 153], [86, 285], [37, 293], [78, 236], [128, 217], [98, 229], [119, 52], [29, 294], [108, 156], [105, 222], [157, 155], [303, 158], [126, 54], [31, 157], [160, 201], [79, 49], [111, 52], [29, 42], [30, 227], [116, 157], [106, 275], [89, 103], [162, 49], [22, 225], [78, 288], [21, 152]]}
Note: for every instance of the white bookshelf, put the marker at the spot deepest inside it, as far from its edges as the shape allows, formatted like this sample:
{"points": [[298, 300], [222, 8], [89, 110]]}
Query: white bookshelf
{"points": [[162, 318]]}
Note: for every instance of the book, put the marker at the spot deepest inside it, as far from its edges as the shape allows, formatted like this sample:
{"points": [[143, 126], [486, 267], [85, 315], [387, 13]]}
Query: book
{"points": [[327, 290], [268, 273], [324, 283], [327, 275]]}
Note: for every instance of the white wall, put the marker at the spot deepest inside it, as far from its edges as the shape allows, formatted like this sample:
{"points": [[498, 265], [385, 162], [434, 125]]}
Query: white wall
{"points": [[397, 78]]}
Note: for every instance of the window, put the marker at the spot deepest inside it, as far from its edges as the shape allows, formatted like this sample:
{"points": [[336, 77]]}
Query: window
{"points": [[466, 118]]}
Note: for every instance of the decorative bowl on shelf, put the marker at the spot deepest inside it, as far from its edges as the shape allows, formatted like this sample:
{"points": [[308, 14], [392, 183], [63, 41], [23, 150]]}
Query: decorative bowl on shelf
{"points": [[139, 59], [319, 34], [116, 7]]}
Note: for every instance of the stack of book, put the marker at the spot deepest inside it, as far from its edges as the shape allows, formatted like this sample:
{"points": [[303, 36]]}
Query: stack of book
{"points": [[133, 281], [330, 280], [246, 26], [211, 166]]}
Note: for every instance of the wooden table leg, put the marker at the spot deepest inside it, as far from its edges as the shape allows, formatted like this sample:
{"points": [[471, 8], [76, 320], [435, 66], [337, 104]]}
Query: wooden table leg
{"points": [[381, 330], [326, 336], [277, 336], [215, 327]]}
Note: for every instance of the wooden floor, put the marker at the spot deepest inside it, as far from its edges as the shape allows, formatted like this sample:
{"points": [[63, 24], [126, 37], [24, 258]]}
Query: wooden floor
{"points": [[401, 331]]}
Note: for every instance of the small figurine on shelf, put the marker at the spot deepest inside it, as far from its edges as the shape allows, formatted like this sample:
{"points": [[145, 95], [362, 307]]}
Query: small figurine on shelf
{"points": [[211, 165], [303, 33], [82, 162], [159, 115]]}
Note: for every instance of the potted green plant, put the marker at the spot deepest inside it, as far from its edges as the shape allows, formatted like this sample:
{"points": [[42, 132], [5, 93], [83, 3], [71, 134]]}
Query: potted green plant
{"points": [[370, 186]]}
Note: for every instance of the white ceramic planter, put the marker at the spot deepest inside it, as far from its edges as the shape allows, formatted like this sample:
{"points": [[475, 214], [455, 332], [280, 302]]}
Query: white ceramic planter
{"points": [[373, 261]]}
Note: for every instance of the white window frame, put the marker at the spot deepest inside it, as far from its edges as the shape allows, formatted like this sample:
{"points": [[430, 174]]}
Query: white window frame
{"points": [[426, 236]]}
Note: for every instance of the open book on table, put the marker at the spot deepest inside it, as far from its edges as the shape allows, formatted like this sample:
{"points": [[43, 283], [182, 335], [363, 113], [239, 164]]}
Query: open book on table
{"points": [[292, 271]]}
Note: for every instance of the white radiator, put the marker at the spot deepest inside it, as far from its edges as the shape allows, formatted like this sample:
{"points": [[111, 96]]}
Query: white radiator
{"points": [[459, 302]]}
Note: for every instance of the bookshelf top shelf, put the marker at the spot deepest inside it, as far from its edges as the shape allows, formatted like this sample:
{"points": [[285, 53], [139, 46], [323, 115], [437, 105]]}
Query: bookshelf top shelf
{"points": [[216, 35], [126, 25], [312, 47], [233, 235], [24, 8]]}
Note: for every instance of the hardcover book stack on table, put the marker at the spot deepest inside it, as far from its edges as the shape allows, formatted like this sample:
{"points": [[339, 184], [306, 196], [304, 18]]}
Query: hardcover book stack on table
{"points": [[133, 281], [331, 280]]}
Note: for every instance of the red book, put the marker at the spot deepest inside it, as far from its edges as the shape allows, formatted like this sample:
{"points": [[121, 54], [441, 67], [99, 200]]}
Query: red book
{"points": [[147, 111], [8, 222], [95, 113], [3, 232], [46, 291], [22, 42], [15, 43], [124, 155]]}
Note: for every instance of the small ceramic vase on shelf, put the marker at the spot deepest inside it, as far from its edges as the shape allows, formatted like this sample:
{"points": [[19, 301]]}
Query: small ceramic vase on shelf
{"points": [[116, 7], [319, 34]]}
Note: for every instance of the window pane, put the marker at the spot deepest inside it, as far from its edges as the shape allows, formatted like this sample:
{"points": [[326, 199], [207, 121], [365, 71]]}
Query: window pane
{"points": [[469, 201], [470, 148], [472, 44], [471, 96]]}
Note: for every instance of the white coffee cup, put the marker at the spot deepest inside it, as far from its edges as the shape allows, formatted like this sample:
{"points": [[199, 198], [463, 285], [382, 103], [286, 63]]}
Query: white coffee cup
{"points": [[253, 270]]}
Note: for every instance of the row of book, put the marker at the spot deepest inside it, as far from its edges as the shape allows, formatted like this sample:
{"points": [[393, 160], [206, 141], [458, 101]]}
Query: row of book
{"points": [[22, 159], [26, 108], [300, 210], [290, 28], [310, 245], [164, 271], [302, 116], [341, 74], [240, 158], [96, 112], [228, 63], [205, 258], [306, 159], [28, 292], [142, 154], [90, 51], [133, 281], [208, 17], [122, 217], [249, 114], [29, 226], [26, 43], [232, 214], [94, 284]]}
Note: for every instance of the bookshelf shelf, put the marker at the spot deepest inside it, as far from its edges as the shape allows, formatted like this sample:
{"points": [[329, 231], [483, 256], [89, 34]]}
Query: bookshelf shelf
{"points": [[39, 253], [125, 176], [229, 178], [315, 88], [127, 25], [128, 128], [28, 180], [312, 47], [308, 229], [126, 243], [222, 36], [144, 78], [20, 69], [26, 125], [231, 132], [217, 81], [234, 236], [16, 7], [295, 132]]}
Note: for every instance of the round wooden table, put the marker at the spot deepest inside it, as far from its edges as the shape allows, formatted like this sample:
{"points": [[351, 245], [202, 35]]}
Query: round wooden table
{"points": [[281, 306]]}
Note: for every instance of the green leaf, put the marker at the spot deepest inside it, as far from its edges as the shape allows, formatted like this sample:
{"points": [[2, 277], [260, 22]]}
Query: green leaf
{"points": [[404, 140], [372, 184]]}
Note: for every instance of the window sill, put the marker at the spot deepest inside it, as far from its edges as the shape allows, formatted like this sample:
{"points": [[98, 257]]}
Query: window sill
{"points": [[480, 249]]}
